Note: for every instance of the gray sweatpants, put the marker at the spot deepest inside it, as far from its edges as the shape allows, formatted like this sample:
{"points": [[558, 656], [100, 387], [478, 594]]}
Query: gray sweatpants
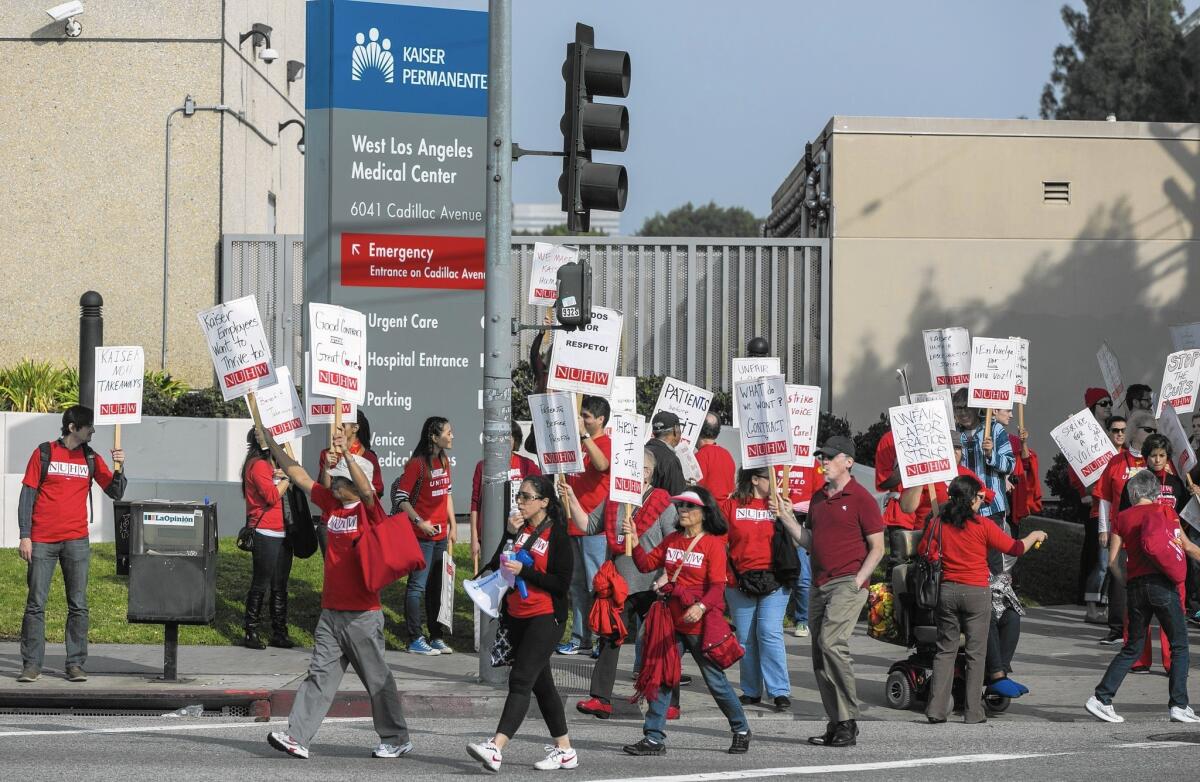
{"points": [[348, 638]]}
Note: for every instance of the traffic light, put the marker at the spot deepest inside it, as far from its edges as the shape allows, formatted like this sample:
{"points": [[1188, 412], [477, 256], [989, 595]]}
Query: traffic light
{"points": [[573, 308], [586, 126]]}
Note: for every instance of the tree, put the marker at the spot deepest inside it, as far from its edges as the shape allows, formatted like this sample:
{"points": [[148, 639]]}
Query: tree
{"points": [[1126, 57], [708, 220]]}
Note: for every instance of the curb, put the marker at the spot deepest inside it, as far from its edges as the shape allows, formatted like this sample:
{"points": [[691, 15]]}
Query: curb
{"points": [[256, 701]]}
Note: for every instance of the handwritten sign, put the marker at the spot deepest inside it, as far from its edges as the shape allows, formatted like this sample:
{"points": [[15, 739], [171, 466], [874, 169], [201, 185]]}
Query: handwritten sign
{"points": [[319, 409], [804, 412], [924, 448], [624, 395], [238, 345], [625, 472], [1181, 381], [1085, 445], [585, 360], [543, 276], [766, 431], [1182, 454], [948, 353], [942, 395], [118, 389], [338, 340], [1021, 388], [556, 432], [690, 403], [993, 373], [280, 409], [751, 369], [1110, 370], [1186, 336]]}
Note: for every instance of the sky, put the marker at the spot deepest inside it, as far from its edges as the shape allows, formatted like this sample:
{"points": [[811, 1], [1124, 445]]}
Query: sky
{"points": [[724, 95]]}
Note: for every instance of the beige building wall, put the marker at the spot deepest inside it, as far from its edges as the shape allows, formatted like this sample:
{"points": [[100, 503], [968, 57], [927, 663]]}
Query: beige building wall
{"points": [[942, 223]]}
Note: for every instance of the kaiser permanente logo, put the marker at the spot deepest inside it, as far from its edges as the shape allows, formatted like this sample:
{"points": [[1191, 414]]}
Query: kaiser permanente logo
{"points": [[372, 59]]}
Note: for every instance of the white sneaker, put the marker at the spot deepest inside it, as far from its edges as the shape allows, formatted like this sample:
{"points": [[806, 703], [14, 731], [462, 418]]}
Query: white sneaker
{"points": [[558, 758], [385, 750], [801, 630], [285, 743], [487, 753], [1183, 715], [1105, 711]]}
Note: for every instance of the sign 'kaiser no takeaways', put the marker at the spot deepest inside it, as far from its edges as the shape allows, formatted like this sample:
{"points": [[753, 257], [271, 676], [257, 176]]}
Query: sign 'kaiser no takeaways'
{"points": [[119, 376]]}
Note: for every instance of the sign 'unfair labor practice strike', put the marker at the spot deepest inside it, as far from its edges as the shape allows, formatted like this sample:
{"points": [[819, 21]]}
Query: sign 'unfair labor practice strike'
{"points": [[395, 184], [924, 448]]}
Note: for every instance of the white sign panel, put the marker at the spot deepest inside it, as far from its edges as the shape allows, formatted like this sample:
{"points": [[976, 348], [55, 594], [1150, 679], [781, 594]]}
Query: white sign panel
{"points": [[240, 352], [692, 473], [445, 615], [119, 375], [1085, 445], [1021, 389], [338, 352], [543, 275], [689, 403], [948, 353], [585, 360], [280, 409], [1181, 381], [1110, 370], [766, 431], [624, 395], [1182, 454], [804, 411], [319, 409], [751, 369], [625, 476], [993, 373], [1186, 336], [1191, 513], [942, 395], [924, 448], [556, 432]]}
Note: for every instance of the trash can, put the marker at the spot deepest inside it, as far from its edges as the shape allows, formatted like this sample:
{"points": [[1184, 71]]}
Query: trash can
{"points": [[172, 562]]}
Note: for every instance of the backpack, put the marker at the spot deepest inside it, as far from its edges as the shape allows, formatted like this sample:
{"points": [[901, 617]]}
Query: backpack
{"points": [[1160, 543]]}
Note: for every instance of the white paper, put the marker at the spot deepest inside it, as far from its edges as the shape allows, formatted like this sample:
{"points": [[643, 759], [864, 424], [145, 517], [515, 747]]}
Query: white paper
{"points": [[543, 275], [766, 431], [1110, 370], [556, 432], [1185, 336], [1191, 513], [948, 353], [319, 409], [1085, 445], [624, 395], [1021, 389], [924, 447], [118, 388], [688, 461], [688, 402], [1182, 454], [280, 410], [625, 468], [750, 369], [338, 351], [993, 373], [804, 411], [238, 345], [585, 360], [445, 615], [1181, 381]]}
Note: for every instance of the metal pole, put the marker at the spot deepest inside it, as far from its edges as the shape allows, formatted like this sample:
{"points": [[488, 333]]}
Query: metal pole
{"points": [[166, 235], [171, 652], [91, 336], [497, 335]]}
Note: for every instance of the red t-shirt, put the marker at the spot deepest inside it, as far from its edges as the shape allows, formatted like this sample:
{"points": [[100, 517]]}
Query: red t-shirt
{"points": [[519, 468], [803, 482], [539, 602], [430, 503], [885, 461], [263, 507], [1116, 474], [719, 470], [704, 567], [61, 511], [344, 588], [964, 554], [591, 485], [751, 526], [1128, 524], [841, 522], [357, 449]]}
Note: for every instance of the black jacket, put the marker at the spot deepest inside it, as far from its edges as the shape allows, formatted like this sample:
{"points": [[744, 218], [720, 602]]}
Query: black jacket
{"points": [[668, 472], [560, 567]]}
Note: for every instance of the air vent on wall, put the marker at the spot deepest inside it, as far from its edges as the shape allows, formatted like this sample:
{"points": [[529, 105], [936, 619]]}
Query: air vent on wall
{"points": [[1056, 192]]}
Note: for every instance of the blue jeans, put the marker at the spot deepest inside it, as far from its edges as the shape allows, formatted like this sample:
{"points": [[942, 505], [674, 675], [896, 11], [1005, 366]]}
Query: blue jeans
{"points": [[424, 588], [803, 582], [722, 691], [1146, 597], [591, 552], [1093, 590], [759, 624], [74, 555]]}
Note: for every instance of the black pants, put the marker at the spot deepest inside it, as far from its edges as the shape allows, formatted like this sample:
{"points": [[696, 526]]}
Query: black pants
{"points": [[533, 642], [1089, 554], [604, 673], [1003, 636], [272, 565]]}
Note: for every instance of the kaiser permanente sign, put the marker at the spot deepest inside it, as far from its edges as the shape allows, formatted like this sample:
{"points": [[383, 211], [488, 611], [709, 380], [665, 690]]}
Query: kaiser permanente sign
{"points": [[394, 205]]}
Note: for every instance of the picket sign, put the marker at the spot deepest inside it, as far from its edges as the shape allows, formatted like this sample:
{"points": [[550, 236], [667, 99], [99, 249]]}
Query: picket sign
{"points": [[1021, 388], [1110, 370], [766, 433], [948, 354], [689, 403], [556, 432], [585, 360], [924, 447], [238, 346], [804, 412], [1085, 445], [543, 275], [692, 472], [1183, 456], [338, 352], [993, 374], [1185, 336], [942, 395], [751, 369], [319, 409], [624, 395], [625, 471], [445, 616], [280, 410], [1180, 382]]}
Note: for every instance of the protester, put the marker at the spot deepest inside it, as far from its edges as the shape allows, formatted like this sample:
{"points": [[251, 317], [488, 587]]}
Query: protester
{"points": [[1149, 593], [801, 484], [1195, 436], [591, 487], [756, 600], [668, 472], [887, 480], [533, 622], [960, 538], [655, 519], [264, 488], [1095, 557], [694, 562], [423, 491], [987, 454], [1138, 396], [519, 468], [350, 628], [716, 463], [358, 438], [52, 519], [1099, 403]]}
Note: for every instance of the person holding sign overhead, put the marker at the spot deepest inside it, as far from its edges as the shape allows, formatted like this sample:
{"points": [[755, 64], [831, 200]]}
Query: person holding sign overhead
{"points": [[358, 435]]}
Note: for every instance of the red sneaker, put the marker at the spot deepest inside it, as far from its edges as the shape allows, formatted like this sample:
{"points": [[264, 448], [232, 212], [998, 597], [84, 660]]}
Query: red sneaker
{"points": [[595, 707], [672, 712]]}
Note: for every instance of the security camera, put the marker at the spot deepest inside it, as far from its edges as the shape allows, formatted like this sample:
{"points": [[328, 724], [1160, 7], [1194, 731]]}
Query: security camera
{"points": [[61, 13], [268, 55]]}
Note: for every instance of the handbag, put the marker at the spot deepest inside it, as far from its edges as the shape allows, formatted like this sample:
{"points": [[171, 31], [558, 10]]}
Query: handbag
{"points": [[245, 538], [298, 523], [724, 651], [1160, 544], [755, 583], [502, 649], [924, 578]]}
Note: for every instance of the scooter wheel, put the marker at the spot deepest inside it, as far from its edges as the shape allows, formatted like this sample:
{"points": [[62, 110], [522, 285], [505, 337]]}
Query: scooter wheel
{"points": [[899, 690], [996, 704]]}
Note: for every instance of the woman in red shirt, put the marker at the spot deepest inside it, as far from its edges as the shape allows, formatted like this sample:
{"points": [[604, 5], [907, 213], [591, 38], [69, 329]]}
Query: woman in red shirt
{"points": [[693, 558], [960, 538], [263, 487]]}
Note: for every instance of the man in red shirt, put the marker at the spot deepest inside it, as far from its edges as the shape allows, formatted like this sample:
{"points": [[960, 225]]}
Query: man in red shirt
{"points": [[716, 464], [52, 514]]}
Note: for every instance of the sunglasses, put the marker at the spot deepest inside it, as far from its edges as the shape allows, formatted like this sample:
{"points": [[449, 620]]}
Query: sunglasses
{"points": [[1148, 429], [1115, 430], [1104, 403], [524, 496], [684, 507]]}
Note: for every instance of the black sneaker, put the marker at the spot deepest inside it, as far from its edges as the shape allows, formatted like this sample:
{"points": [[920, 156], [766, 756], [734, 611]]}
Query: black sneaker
{"points": [[741, 744], [684, 680], [782, 703], [1113, 637], [747, 700], [645, 747]]}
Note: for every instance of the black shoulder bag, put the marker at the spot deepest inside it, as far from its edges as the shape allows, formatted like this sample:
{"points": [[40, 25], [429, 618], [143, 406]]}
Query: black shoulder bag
{"points": [[924, 578]]}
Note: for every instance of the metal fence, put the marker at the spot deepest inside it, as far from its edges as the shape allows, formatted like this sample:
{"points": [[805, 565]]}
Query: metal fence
{"points": [[690, 304]]}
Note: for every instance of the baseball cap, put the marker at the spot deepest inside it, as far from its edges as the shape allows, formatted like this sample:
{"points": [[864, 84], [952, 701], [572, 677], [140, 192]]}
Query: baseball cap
{"points": [[663, 421], [835, 445], [342, 471]]}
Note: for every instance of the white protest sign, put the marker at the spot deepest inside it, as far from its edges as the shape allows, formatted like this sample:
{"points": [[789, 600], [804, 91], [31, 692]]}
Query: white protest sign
{"points": [[543, 275], [238, 345], [1182, 454], [628, 441], [1085, 445], [948, 353], [1181, 381], [445, 615], [1186, 336], [319, 409], [689, 403], [1021, 388], [804, 411], [585, 361], [1191, 513], [118, 388], [1110, 370], [942, 395], [688, 461], [624, 395], [766, 431], [280, 410], [993, 373], [751, 369], [556, 432], [338, 340], [924, 448]]}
